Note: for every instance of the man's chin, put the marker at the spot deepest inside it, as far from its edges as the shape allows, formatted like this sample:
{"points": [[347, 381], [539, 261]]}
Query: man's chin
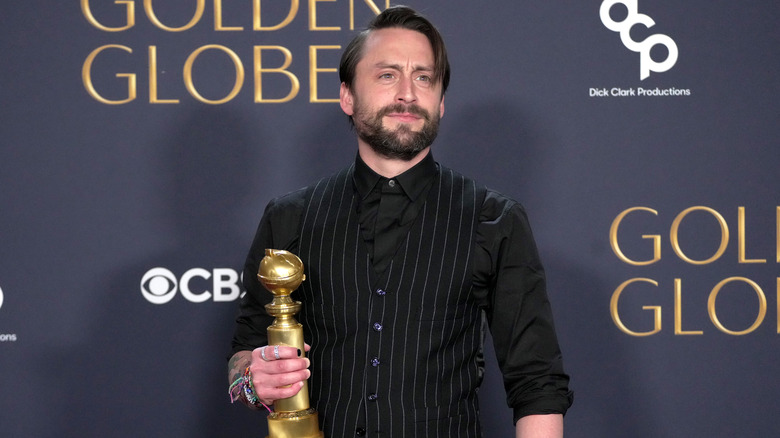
{"points": [[402, 127], [405, 155]]}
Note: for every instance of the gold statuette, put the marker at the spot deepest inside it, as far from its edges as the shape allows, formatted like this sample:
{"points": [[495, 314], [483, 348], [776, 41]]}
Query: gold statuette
{"points": [[281, 272]]}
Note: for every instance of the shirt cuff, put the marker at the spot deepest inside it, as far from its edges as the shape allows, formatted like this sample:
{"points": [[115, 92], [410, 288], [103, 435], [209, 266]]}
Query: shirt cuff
{"points": [[544, 404]]}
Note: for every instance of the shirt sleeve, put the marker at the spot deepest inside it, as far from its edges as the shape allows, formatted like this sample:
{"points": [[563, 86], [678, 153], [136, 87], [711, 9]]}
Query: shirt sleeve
{"points": [[510, 277], [278, 229]]}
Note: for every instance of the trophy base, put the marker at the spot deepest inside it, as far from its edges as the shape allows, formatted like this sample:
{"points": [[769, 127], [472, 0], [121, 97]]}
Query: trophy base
{"points": [[301, 424]]}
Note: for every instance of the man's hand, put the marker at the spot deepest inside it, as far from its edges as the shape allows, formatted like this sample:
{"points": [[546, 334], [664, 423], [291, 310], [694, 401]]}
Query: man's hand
{"points": [[277, 371]]}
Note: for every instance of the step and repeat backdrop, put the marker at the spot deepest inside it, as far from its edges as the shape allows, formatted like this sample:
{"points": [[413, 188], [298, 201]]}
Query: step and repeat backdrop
{"points": [[140, 141]]}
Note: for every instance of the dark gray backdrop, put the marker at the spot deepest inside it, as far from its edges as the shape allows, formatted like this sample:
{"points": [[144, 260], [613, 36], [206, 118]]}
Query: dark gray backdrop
{"points": [[93, 196]]}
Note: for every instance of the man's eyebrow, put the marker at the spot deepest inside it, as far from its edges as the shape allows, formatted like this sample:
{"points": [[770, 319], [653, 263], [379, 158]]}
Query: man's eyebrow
{"points": [[381, 65]]}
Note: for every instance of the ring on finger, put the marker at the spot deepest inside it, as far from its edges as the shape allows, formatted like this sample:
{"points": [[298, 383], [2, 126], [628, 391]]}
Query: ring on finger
{"points": [[276, 352], [262, 354]]}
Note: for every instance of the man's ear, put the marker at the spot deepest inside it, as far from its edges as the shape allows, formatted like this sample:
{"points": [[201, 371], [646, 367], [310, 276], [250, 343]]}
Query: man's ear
{"points": [[346, 100], [441, 107]]}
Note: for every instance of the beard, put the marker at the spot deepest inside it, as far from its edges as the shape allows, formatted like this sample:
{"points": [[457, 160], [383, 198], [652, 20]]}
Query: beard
{"points": [[402, 142]]}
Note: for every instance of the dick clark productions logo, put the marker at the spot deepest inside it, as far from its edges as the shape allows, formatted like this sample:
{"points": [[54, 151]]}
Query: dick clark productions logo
{"points": [[646, 62]]}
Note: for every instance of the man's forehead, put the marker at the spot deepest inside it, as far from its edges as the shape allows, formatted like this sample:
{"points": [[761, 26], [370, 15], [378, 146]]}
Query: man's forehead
{"points": [[397, 42]]}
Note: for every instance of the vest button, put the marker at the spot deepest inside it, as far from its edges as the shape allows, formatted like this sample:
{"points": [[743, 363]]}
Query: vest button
{"points": [[360, 431], [380, 292], [375, 362], [372, 397], [377, 327]]}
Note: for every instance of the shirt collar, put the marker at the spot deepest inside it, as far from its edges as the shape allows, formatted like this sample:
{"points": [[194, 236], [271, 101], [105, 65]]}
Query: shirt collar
{"points": [[414, 181]]}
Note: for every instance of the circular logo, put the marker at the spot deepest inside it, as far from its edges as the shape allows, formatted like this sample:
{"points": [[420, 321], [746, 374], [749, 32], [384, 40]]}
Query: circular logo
{"points": [[158, 285], [646, 63]]}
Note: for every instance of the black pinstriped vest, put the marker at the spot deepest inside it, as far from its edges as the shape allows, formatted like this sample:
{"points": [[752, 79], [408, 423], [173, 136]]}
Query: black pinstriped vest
{"points": [[394, 356]]}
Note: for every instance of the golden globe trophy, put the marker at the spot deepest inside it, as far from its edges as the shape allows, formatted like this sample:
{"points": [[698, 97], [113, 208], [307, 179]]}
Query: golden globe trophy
{"points": [[281, 272]]}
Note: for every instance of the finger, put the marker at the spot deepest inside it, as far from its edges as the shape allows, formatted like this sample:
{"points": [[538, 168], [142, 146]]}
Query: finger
{"points": [[280, 380], [268, 353], [283, 366], [269, 395], [270, 387]]}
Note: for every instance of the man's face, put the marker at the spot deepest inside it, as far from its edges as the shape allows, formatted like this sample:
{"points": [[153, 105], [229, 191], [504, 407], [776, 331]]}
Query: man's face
{"points": [[394, 102]]}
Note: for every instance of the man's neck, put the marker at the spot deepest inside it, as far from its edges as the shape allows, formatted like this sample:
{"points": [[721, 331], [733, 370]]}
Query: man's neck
{"points": [[388, 167]]}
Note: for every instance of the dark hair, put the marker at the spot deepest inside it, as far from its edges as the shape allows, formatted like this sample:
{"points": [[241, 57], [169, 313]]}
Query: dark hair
{"points": [[399, 17]]}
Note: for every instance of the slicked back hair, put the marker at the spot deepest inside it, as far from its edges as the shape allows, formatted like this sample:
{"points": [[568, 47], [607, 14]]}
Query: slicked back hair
{"points": [[402, 17]]}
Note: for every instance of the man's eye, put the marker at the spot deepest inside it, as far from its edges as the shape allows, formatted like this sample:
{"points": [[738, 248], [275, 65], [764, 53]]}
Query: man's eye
{"points": [[386, 76], [424, 78]]}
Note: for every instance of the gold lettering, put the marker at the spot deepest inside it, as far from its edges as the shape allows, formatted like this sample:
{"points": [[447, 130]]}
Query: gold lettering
{"points": [[236, 63], [370, 4], [285, 22], [130, 14], [761, 307], [295, 85], [314, 70], [613, 240], [678, 311], [86, 77], [313, 16], [613, 309], [153, 78], [741, 239], [724, 235], [195, 19], [218, 18]]}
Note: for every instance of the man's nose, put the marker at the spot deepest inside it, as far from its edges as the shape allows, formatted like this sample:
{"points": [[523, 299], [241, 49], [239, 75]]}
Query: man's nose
{"points": [[406, 92]]}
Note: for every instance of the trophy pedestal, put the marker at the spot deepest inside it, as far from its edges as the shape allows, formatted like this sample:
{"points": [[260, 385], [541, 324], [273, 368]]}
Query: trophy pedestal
{"points": [[301, 424]]}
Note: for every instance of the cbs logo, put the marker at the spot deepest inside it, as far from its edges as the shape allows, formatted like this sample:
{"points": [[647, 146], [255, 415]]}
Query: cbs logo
{"points": [[646, 62], [159, 285]]}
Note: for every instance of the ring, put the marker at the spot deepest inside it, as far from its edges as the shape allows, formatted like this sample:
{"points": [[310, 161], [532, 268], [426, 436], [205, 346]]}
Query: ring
{"points": [[276, 352], [262, 354]]}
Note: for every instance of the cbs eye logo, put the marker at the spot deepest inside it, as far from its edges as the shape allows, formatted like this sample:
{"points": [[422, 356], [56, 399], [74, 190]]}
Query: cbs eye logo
{"points": [[646, 63], [159, 285]]}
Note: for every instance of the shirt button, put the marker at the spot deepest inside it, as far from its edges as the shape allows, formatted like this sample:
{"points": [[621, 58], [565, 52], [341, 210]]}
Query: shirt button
{"points": [[375, 362], [360, 431], [380, 292], [377, 327], [391, 183], [372, 397]]}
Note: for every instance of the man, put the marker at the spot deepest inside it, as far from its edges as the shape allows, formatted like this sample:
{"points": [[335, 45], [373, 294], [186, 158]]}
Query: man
{"points": [[406, 262]]}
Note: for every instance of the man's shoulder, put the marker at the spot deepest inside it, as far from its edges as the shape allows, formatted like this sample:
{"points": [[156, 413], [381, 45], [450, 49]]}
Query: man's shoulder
{"points": [[498, 205], [291, 200], [296, 200]]}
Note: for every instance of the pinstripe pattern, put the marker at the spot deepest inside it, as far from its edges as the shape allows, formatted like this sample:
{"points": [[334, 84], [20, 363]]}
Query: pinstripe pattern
{"points": [[421, 364]]}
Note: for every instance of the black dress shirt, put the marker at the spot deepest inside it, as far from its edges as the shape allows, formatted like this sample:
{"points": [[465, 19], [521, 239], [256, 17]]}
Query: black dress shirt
{"points": [[508, 278], [389, 207]]}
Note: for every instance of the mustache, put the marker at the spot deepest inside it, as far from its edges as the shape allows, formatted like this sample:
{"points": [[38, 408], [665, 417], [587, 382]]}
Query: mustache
{"points": [[401, 108]]}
